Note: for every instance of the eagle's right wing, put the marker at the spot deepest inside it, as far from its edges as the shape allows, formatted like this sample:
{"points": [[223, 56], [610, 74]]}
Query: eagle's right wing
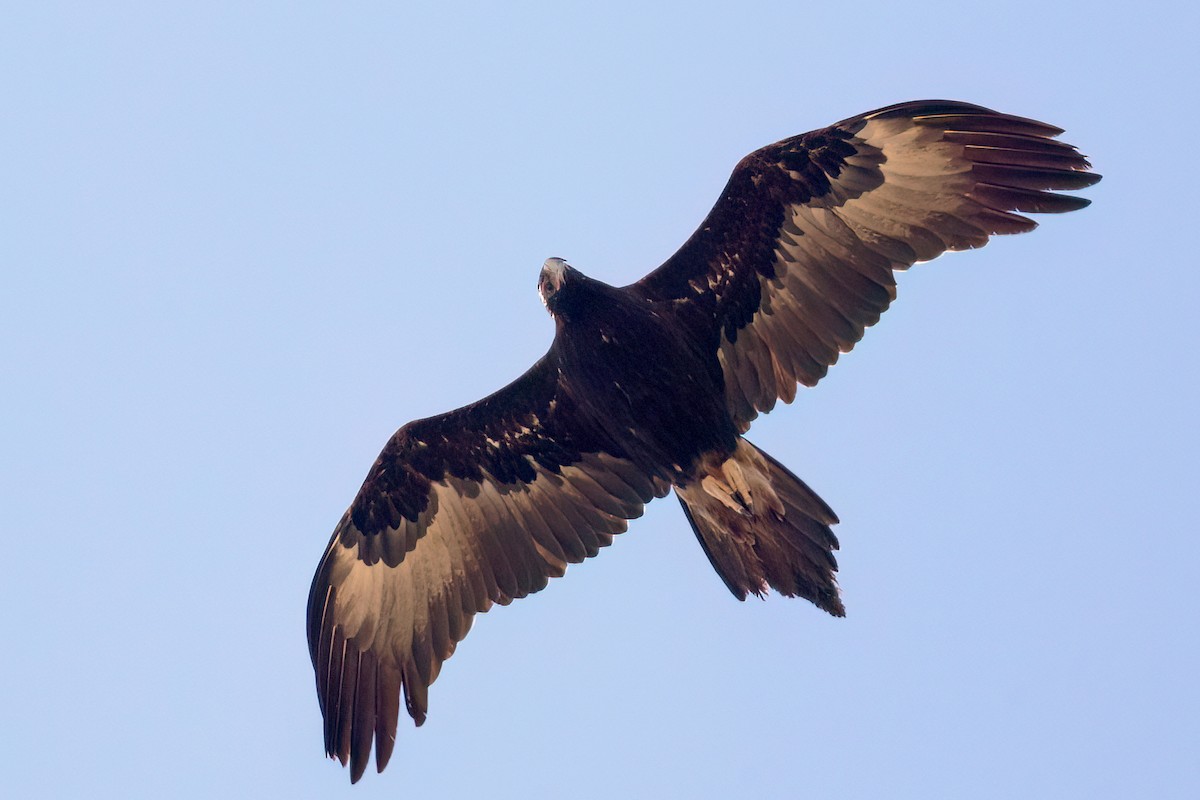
{"points": [[478, 506], [795, 260]]}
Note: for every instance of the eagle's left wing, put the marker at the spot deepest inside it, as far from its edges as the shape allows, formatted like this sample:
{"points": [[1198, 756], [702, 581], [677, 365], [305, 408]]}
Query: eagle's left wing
{"points": [[478, 506], [795, 260]]}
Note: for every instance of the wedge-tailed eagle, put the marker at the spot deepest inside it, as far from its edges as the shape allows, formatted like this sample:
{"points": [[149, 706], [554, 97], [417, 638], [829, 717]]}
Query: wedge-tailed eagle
{"points": [[649, 387]]}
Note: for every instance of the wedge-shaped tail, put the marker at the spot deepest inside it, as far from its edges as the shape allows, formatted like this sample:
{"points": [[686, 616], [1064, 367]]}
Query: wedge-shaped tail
{"points": [[762, 527]]}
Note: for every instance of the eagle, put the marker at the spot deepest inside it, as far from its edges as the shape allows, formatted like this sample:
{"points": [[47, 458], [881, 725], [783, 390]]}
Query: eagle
{"points": [[651, 387]]}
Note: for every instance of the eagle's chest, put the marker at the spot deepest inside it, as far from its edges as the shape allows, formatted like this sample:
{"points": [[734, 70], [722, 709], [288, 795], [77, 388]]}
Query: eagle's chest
{"points": [[649, 386]]}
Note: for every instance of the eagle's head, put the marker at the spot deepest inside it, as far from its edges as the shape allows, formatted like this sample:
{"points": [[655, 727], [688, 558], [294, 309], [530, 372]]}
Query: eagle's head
{"points": [[556, 272]]}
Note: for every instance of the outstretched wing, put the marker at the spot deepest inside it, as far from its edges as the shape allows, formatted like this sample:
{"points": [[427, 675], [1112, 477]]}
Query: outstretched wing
{"points": [[478, 506], [795, 261]]}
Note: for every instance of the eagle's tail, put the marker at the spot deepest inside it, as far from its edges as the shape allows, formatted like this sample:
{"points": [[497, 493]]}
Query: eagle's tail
{"points": [[761, 527]]}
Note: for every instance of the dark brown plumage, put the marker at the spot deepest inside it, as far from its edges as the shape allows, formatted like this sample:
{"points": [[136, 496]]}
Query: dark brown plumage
{"points": [[649, 387]]}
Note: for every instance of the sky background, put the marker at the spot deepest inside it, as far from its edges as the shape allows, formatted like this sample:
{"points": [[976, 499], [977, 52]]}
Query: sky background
{"points": [[242, 243]]}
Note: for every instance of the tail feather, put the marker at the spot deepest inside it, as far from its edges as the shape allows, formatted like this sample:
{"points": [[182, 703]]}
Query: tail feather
{"points": [[762, 527]]}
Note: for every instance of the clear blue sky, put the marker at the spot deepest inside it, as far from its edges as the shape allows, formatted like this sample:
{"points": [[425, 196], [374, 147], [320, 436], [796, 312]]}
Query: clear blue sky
{"points": [[243, 242]]}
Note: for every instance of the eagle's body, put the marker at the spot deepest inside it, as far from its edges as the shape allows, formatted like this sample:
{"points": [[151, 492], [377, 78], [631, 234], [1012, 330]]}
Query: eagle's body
{"points": [[650, 387], [670, 409]]}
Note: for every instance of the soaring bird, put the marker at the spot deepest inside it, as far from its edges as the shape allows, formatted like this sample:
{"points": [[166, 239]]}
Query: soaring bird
{"points": [[650, 387]]}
